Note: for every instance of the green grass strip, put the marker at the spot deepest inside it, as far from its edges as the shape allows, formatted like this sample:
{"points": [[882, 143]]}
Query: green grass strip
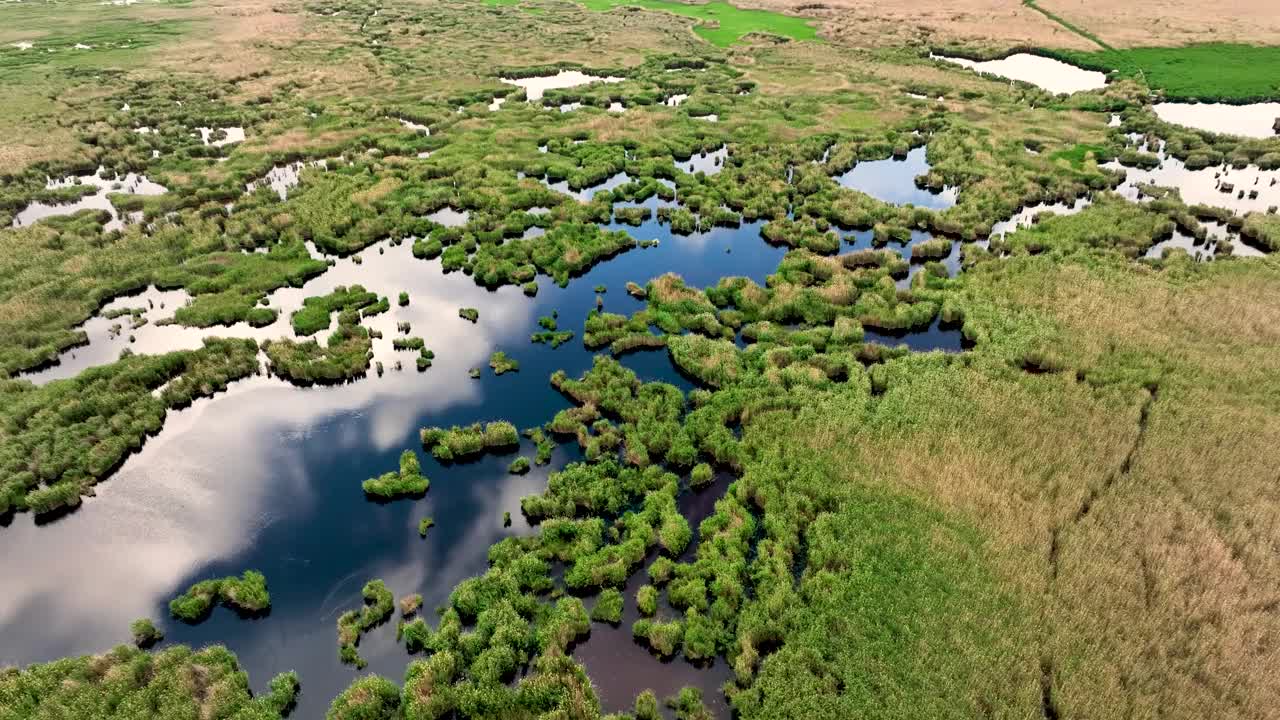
{"points": [[1068, 25], [719, 23]]}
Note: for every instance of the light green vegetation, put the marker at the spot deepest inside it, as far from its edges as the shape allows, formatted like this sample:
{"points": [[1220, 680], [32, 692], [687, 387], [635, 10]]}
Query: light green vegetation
{"points": [[131, 684], [608, 607], [379, 604], [1073, 516], [344, 356], [145, 633], [424, 525], [551, 333], [1206, 72], [246, 594], [519, 466], [721, 23], [501, 363], [459, 442], [407, 482], [315, 312], [59, 439], [470, 314]]}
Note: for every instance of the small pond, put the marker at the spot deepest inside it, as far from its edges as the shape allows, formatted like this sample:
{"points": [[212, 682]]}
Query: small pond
{"points": [[536, 87], [1052, 75], [1257, 120], [893, 180]]}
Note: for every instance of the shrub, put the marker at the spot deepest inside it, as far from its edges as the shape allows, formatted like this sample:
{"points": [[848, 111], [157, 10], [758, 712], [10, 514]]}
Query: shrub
{"points": [[145, 633], [608, 607], [407, 482]]}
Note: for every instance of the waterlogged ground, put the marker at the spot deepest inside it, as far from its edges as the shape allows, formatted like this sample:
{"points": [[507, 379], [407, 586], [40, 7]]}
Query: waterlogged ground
{"points": [[267, 475]]}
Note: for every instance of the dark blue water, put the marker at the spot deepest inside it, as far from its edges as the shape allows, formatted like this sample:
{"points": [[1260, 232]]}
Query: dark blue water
{"points": [[267, 476]]}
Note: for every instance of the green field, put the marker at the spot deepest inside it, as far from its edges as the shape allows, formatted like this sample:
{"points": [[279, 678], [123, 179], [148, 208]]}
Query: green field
{"points": [[733, 22], [1208, 72]]}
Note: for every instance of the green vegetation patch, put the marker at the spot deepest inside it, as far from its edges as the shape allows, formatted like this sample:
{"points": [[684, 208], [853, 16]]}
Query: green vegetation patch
{"points": [[130, 683], [459, 442], [407, 482], [379, 604], [501, 363], [59, 439], [246, 594], [314, 314], [721, 23], [1222, 72]]}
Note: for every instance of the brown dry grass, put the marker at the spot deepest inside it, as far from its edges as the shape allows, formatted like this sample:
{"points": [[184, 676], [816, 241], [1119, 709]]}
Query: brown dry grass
{"points": [[1007, 23], [1175, 22], [1164, 603]]}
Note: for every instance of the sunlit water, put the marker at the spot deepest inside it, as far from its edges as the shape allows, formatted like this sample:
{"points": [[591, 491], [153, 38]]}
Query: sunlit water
{"points": [[893, 180], [130, 184], [1052, 75], [267, 475], [1256, 120], [536, 87]]}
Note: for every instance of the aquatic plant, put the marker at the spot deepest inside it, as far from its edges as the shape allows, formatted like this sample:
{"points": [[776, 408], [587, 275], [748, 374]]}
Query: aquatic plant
{"points": [[407, 482], [424, 525], [127, 682], [145, 633], [315, 312], [61, 438], [700, 476], [471, 314], [409, 604], [647, 600], [246, 594], [519, 466], [500, 363], [404, 298], [608, 607], [459, 442], [379, 604]]}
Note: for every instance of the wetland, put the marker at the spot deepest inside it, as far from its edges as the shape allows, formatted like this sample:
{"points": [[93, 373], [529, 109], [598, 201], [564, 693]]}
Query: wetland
{"points": [[682, 361]]}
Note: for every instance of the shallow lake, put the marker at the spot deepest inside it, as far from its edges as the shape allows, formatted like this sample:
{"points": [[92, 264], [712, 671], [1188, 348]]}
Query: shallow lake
{"points": [[1052, 75], [893, 180], [1256, 120], [536, 87]]}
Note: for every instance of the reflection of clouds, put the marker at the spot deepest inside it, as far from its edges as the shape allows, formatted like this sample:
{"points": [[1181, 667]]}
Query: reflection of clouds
{"points": [[195, 493], [382, 268]]}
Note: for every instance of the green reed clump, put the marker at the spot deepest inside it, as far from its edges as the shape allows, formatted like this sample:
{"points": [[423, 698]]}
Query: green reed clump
{"points": [[424, 525], [500, 363], [127, 682], [554, 338], [63, 437], [379, 604], [246, 594], [700, 476], [1263, 230], [470, 314], [407, 482], [408, 343], [345, 356], [404, 298], [662, 637], [460, 442], [545, 445], [608, 607], [519, 466], [145, 633], [369, 698], [315, 312]]}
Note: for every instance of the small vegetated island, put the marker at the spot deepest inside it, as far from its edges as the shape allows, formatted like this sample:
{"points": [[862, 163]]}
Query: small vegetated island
{"points": [[246, 594], [1002, 451]]}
